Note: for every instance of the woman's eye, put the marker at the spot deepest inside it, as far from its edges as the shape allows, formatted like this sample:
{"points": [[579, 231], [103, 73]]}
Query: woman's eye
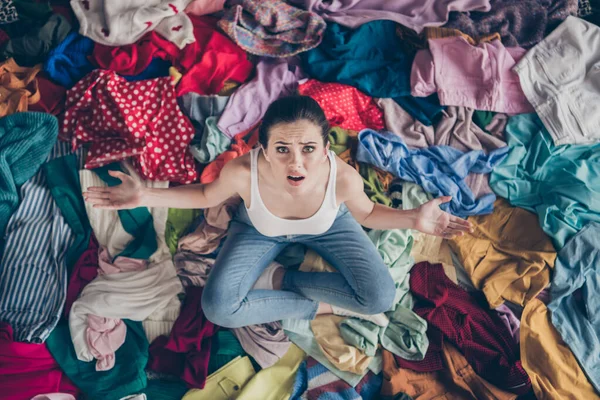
{"points": [[308, 149], [282, 149]]}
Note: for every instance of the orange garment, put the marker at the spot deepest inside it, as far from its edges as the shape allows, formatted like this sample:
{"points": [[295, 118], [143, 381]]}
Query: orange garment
{"points": [[457, 381], [18, 87]]}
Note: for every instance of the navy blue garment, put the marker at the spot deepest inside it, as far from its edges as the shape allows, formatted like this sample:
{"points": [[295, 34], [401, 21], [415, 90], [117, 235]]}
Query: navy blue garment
{"points": [[440, 170], [371, 59], [577, 268]]}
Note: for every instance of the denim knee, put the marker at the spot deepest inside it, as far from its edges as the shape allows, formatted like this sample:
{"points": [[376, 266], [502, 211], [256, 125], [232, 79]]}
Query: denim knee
{"points": [[380, 297], [219, 312]]}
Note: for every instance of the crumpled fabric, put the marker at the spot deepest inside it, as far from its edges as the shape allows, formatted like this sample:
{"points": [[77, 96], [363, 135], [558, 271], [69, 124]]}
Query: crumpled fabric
{"points": [[192, 268], [18, 87], [68, 62], [104, 336], [440, 170], [344, 105], [266, 343], [131, 119], [272, 28]]}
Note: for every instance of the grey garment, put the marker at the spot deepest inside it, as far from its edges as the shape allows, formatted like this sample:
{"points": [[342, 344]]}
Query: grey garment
{"points": [[561, 79], [577, 269], [456, 128], [266, 343], [198, 108], [464, 280], [521, 23], [274, 78], [33, 48], [192, 268]]}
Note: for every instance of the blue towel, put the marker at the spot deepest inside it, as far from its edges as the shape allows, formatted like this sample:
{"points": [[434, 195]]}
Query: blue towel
{"points": [[440, 170], [68, 62]]}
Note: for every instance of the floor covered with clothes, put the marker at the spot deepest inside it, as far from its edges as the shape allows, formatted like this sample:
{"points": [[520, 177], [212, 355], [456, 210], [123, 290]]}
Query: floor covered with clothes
{"points": [[493, 102]]}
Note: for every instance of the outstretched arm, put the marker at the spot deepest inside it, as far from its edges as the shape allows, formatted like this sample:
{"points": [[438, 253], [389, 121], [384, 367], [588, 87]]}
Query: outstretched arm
{"points": [[428, 218], [131, 194]]}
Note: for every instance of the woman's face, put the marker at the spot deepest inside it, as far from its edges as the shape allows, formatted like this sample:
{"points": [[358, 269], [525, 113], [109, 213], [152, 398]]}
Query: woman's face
{"points": [[297, 155]]}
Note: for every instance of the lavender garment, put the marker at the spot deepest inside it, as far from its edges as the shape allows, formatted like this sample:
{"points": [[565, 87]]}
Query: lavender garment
{"points": [[412, 14], [521, 23], [266, 343], [510, 320], [455, 128], [192, 269], [246, 107]]}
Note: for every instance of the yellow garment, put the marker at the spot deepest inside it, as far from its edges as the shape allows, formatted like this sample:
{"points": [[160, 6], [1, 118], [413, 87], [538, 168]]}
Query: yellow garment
{"points": [[175, 75], [326, 328], [18, 87], [226, 383], [508, 256], [435, 250], [228, 88], [277, 381], [552, 367]]}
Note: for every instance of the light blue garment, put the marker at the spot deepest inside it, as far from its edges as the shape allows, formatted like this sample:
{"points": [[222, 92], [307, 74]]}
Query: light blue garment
{"points": [[440, 170], [362, 284], [300, 333], [33, 270], [213, 142], [578, 267], [559, 183]]}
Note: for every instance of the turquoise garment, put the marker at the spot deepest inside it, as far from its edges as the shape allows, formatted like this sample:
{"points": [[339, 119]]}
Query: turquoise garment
{"points": [[138, 222], [225, 347], [25, 142], [125, 378], [213, 143], [62, 178], [559, 183], [578, 267], [381, 69], [159, 389]]}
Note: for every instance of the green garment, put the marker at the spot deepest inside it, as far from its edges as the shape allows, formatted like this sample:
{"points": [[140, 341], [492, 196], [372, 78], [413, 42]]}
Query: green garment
{"points": [[178, 225], [138, 222], [213, 142], [339, 142], [224, 348], [125, 378], [160, 389], [26, 139], [363, 335], [62, 177], [483, 118], [559, 183], [33, 47]]}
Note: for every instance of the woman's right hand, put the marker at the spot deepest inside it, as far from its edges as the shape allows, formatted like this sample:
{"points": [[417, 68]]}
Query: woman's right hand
{"points": [[124, 196]]}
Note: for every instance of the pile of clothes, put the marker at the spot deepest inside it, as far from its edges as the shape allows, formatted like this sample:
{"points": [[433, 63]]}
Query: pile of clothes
{"points": [[495, 103]]}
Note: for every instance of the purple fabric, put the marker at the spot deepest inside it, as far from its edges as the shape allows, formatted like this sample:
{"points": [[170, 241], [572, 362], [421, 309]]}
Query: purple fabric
{"points": [[414, 14], [521, 23], [266, 343], [510, 320], [246, 107]]}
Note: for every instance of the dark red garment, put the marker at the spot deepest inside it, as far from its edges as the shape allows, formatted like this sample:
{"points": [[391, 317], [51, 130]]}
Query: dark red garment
{"points": [[28, 369], [186, 351], [84, 271], [205, 64], [478, 333], [4, 38]]}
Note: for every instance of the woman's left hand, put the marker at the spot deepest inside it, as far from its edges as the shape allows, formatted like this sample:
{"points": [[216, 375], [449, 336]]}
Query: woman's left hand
{"points": [[431, 219]]}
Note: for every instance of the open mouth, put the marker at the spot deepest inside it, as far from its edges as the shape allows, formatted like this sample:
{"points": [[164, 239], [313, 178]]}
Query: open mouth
{"points": [[295, 178]]}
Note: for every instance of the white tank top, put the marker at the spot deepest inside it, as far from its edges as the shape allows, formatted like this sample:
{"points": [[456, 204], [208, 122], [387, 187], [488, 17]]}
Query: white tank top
{"points": [[270, 225]]}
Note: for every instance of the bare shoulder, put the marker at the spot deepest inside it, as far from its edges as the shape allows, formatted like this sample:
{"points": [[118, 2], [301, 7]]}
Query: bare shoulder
{"points": [[349, 183]]}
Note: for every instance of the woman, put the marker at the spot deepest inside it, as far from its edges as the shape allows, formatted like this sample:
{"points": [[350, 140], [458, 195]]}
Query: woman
{"points": [[294, 190]]}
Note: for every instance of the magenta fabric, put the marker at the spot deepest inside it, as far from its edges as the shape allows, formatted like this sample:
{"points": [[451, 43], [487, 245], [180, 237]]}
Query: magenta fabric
{"points": [[455, 315], [478, 77], [28, 369], [84, 271], [186, 351]]}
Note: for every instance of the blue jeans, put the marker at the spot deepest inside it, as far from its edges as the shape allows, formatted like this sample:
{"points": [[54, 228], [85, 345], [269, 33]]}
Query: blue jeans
{"points": [[362, 284]]}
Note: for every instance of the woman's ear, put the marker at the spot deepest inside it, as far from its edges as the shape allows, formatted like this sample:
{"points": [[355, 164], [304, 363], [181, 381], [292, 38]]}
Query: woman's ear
{"points": [[264, 151], [326, 149]]}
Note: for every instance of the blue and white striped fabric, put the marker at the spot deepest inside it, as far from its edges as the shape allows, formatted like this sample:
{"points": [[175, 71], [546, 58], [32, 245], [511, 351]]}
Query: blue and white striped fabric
{"points": [[33, 273]]}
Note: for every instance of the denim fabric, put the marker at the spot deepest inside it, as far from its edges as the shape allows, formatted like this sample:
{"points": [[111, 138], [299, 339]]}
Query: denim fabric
{"points": [[578, 321], [363, 283]]}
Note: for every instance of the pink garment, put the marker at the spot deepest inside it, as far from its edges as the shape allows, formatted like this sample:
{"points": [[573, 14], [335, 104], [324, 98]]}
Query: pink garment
{"points": [[478, 77], [121, 264], [104, 336], [204, 7], [54, 396]]}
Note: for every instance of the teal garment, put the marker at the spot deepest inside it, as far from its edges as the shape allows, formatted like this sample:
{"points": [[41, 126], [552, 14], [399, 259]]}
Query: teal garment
{"points": [[25, 142], [380, 69], [159, 389], [559, 183], [483, 118], [224, 348], [62, 178], [125, 378], [213, 142], [406, 334], [179, 222], [138, 222]]}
